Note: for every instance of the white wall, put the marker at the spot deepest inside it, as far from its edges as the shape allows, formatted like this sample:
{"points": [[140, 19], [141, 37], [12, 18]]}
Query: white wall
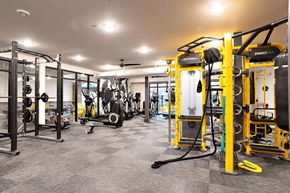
{"points": [[3, 86], [190, 99], [270, 94], [139, 88], [160, 70], [46, 85]]}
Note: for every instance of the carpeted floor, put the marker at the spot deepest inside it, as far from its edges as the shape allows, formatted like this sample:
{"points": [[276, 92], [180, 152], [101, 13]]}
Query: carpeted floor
{"points": [[118, 160]]}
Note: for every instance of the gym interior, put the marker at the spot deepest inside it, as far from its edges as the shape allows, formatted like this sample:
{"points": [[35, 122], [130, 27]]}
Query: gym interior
{"points": [[124, 96]]}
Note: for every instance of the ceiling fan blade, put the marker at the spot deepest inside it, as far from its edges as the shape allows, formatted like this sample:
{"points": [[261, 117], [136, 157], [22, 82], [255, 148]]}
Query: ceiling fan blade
{"points": [[132, 64], [160, 76]]}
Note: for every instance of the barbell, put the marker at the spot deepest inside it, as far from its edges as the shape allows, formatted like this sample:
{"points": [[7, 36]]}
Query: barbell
{"points": [[44, 97]]}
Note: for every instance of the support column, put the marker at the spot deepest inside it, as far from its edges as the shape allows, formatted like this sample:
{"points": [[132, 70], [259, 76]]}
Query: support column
{"points": [[61, 87], [36, 93], [24, 81], [76, 97], [42, 80], [169, 109], [99, 93], [58, 98], [228, 94], [147, 99]]}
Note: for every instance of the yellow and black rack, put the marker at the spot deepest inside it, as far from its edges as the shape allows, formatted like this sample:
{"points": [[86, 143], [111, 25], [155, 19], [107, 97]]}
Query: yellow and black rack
{"points": [[180, 119], [258, 125]]}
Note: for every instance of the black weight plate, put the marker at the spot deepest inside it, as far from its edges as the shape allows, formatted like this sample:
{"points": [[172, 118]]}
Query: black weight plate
{"points": [[44, 97], [28, 116], [27, 102], [28, 89]]}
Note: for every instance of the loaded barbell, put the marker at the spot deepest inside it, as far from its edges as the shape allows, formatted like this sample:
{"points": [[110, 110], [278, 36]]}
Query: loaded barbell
{"points": [[43, 97]]}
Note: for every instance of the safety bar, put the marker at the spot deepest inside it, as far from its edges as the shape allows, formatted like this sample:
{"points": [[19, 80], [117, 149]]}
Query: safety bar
{"points": [[205, 39], [33, 53], [255, 32]]}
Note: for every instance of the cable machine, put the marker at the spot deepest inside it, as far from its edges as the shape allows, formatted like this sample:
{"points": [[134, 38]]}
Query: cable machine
{"points": [[228, 108]]}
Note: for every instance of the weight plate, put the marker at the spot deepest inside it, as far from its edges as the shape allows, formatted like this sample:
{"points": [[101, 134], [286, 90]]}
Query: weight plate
{"points": [[27, 102], [28, 89]]}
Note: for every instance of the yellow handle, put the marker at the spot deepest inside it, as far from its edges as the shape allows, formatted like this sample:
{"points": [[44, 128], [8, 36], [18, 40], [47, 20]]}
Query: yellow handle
{"points": [[250, 166]]}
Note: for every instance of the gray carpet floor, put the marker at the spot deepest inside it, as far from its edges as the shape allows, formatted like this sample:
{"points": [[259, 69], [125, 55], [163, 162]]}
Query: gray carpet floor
{"points": [[118, 161]]}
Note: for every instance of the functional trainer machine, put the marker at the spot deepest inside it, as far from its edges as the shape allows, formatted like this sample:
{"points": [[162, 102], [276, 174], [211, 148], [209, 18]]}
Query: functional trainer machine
{"points": [[228, 108], [188, 71], [261, 133]]}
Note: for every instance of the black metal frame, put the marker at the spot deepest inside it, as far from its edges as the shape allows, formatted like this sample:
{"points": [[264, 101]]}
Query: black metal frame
{"points": [[88, 81], [157, 86], [76, 97], [198, 42], [12, 95], [254, 33], [38, 126], [12, 101], [24, 81]]}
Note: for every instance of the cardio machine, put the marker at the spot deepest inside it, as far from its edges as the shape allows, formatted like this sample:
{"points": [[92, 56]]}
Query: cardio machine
{"points": [[113, 110]]}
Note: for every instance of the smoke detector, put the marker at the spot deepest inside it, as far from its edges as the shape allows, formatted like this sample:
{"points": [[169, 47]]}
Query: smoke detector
{"points": [[23, 13]]}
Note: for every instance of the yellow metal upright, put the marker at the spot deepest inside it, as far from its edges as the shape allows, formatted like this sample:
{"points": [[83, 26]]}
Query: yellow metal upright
{"points": [[177, 102], [228, 93], [203, 131], [252, 119], [246, 103]]}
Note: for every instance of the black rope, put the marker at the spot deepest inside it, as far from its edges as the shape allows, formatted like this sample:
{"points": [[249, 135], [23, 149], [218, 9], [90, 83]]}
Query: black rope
{"points": [[158, 164]]}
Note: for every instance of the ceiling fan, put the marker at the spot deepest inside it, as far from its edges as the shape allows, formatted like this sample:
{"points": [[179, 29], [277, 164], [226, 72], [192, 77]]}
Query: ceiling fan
{"points": [[122, 64]]}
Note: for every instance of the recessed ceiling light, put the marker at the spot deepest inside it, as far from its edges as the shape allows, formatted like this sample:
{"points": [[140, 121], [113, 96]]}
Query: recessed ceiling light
{"points": [[108, 26], [216, 7], [23, 13], [27, 43], [144, 50], [108, 66], [78, 58]]}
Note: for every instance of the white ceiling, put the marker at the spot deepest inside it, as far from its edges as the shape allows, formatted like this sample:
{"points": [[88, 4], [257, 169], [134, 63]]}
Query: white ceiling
{"points": [[65, 26]]}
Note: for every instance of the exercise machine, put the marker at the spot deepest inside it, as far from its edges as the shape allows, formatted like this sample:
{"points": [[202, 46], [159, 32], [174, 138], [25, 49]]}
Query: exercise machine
{"points": [[113, 109], [137, 103], [261, 133]]}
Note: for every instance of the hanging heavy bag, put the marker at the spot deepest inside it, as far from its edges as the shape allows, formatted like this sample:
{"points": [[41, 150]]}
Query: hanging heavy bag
{"points": [[199, 84], [199, 87], [281, 91]]}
